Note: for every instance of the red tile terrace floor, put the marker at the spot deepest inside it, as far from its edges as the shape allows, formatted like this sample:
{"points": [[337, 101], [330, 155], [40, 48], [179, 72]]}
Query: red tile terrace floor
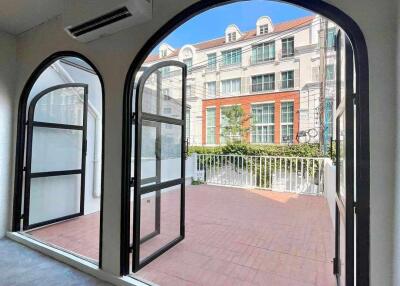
{"points": [[233, 237]]}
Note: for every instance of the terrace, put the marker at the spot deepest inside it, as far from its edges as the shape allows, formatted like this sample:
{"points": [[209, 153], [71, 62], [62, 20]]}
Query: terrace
{"points": [[234, 236]]}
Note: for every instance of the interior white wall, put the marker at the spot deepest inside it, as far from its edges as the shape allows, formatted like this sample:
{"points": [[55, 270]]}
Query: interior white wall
{"points": [[112, 55], [7, 89]]}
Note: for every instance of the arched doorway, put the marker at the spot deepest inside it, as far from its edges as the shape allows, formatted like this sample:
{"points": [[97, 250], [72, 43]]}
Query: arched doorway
{"points": [[356, 43], [58, 182]]}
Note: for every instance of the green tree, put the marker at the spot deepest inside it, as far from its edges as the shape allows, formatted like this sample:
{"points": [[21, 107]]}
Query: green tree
{"points": [[233, 124]]}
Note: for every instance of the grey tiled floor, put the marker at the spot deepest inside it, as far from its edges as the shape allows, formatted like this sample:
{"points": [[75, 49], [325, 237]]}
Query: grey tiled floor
{"points": [[20, 265]]}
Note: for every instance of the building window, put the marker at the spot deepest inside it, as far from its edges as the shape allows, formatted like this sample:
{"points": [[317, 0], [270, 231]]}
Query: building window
{"points": [[167, 110], [330, 72], [287, 118], [232, 37], [211, 89], [165, 71], [210, 125], [230, 86], [263, 52], [232, 57], [165, 93], [263, 82], [188, 63], [188, 90], [187, 121], [212, 61], [287, 79], [163, 53], [330, 39], [226, 134], [263, 29], [288, 47], [262, 126], [328, 126]]}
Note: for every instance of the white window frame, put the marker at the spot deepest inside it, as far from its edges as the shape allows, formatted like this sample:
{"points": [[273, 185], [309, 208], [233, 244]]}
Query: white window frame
{"points": [[268, 125], [229, 55], [285, 51], [286, 123], [232, 37], [189, 66], [212, 61], [208, 84], [263, 83], [230, 92], [261, 52], [264, 29], [214, 127], [287, 80]]}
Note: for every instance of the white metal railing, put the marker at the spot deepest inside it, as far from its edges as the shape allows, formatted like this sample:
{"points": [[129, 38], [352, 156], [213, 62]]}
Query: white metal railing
{"points": [[303, 175]]}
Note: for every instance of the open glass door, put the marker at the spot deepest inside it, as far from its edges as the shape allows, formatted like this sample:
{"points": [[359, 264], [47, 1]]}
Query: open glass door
{"points": [[345, 150], [55, 157], [159, 169]]}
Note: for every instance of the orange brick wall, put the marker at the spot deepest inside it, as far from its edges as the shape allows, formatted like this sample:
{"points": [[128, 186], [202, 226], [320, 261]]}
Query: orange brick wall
{"points": [[245, 102]]}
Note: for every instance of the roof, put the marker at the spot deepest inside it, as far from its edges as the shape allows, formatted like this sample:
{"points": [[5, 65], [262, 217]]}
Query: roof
{"points": [[278, 28]]}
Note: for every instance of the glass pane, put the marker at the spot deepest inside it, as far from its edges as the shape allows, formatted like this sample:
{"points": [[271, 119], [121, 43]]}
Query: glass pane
{"points": [[342, 251], [166, 152], [54, 197], [342, 157], [133, 152], [149, 155], [162, 94], [148, 210], [63, 106], [56, 149], [169, 219]]}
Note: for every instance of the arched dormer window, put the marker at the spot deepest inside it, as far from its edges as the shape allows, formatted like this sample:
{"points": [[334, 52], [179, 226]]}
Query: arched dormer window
{"points": [[232, 33], [186, 55], [264, 25], [165, 50]]}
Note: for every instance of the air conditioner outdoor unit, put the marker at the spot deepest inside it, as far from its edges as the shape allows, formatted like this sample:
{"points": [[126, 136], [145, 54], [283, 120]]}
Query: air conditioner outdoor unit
{"points": [[87, 20]]}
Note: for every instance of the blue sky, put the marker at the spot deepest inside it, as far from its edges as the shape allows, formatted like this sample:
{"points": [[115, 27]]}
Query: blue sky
{"points": [[212, 23]]}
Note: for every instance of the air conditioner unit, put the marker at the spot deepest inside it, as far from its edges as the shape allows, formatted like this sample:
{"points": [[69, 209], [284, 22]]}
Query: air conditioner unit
{"points": [[87, 20]]}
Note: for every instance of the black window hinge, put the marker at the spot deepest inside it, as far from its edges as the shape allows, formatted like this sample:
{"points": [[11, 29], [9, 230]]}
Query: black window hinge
{"points": [[355, 98], [335, 266], [22, 216], [356, 207], [132, 182]]}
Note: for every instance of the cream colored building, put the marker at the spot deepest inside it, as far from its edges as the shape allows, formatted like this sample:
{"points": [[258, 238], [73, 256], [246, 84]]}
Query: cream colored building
{"points": [[269, 60]]}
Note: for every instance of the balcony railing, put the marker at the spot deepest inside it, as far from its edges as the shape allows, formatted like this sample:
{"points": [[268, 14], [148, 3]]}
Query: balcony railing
{"points": [[257, 60], [300, 175], [223, 65]]}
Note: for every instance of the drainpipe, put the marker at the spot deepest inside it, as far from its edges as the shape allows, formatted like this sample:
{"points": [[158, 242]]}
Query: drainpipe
{"points": [[98, 133]]}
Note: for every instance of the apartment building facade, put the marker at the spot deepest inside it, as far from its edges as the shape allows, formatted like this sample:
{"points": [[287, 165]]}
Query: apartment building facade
{"points": [[273, 73]]}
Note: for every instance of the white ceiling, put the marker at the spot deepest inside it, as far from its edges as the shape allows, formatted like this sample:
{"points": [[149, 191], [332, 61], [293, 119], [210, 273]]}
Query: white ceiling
{"points": [[17, 16]]}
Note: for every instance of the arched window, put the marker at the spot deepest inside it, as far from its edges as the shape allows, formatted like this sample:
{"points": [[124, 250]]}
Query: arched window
{"points": [[59, 156], [351, 50]]}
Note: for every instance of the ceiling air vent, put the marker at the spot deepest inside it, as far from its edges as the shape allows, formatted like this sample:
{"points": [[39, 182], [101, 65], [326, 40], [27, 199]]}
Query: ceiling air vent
{"points": [[99, 22], [87, 20]]}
